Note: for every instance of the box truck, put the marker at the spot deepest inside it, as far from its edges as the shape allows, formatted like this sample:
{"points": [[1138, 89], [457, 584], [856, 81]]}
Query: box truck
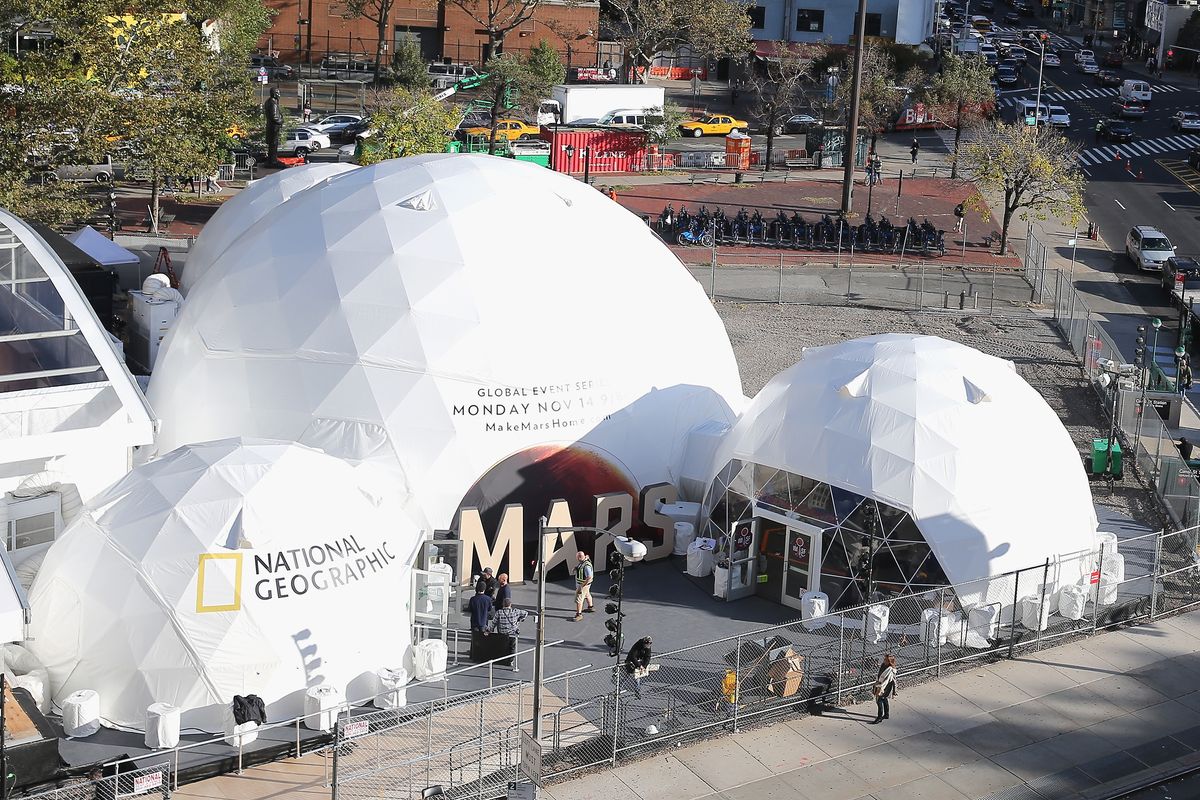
{"points": [[584, 105]]}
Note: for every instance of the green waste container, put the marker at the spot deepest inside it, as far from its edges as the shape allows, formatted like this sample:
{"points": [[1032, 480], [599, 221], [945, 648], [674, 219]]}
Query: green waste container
{"points": [[1100, 457], [454, 147]]}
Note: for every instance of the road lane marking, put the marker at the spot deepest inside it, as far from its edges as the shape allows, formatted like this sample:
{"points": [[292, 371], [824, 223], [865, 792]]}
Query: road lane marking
{"points": [[1118, 202], [1168, 205]]}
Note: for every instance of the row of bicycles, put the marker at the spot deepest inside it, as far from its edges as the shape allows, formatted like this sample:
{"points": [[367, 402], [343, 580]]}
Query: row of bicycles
{"points": [[706, 229]]}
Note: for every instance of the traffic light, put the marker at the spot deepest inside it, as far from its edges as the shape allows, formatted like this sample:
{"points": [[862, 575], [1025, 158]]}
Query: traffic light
{"points": [[613, 607], [1171, 53]]}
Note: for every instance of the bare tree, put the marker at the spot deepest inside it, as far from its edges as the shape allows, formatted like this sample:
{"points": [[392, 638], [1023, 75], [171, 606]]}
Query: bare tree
{"points": [[777, 87], [962, 90], [378, 12], [498, 18], [645, 28], [1037, 172]]}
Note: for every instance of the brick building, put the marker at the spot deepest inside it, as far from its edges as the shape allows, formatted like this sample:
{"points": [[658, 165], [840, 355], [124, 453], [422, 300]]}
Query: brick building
{"points": [[443, 30]]}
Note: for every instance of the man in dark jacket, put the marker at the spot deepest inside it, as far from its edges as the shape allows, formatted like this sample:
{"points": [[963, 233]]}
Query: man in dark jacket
{"points": [[637, 663], [481, 609], [503, 590], [487, 583]]}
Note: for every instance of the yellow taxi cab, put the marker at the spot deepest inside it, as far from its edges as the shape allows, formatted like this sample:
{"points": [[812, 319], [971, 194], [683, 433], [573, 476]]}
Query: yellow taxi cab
{"points": [[510, 129], [716, 125]]}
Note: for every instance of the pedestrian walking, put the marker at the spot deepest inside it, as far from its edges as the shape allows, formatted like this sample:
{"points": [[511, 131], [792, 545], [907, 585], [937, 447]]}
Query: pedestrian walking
{"points": [[584, 573], [210, 184], [1150, 64], [637, 664], [1185, 375], [960, 212], [885, 688], [506, 624], [503, 590], [307, 113], [1185, 449], [915, 149], [1099, 129], [878, 169]]}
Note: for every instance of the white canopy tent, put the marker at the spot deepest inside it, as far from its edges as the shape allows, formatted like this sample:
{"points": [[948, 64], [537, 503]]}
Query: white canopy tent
{"points": [[228, 568], [105, 251], [446, 312], [952, 436], [245, 210]]}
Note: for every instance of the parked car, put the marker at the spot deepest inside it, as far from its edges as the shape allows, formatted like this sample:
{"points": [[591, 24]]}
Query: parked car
{"points": [[509, 129], [1184, 266], [800, 123], [1127, 109], [1186, 121], [1116, 130], [1148, 247], [302, 141], [1088, 67], [1108, 78], [274, 68], [1113, 59], [1051, 60], [716, 125], [334, 124]]}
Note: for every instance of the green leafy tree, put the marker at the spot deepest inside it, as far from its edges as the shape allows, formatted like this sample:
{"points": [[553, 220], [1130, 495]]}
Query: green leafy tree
{"points": [[408, 65], [498, 18], [1189, 34], [778, 87], [1037, 172], [662, 122], [511, 86], [645, 28], [961, 93], [378, 13], [883, 90], [544, 62], [407, 123]]}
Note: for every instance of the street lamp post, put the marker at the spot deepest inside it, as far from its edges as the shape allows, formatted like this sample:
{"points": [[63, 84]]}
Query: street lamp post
{"points": [[1156, 323], [587, 165]]}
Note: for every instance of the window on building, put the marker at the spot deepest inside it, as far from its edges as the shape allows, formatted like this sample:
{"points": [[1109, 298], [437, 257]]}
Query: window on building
{"points": [[810, 20], [874, 24], [758, 17], [33, 522]]}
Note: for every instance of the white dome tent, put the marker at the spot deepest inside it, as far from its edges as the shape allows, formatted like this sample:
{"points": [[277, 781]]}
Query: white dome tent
{"points": [[445, 312], [968, 467], [245, 209], [228, 568]]}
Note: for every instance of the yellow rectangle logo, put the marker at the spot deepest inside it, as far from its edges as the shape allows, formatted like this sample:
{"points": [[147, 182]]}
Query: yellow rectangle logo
{"points": [[219, 582]]}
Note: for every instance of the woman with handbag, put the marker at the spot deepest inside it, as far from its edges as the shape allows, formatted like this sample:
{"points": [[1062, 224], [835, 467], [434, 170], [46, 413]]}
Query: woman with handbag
{"points": [[884, 688]]}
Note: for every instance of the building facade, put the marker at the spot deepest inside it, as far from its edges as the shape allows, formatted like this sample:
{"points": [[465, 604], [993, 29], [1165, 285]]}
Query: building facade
{"points": [[833, 21], [304, 31]]}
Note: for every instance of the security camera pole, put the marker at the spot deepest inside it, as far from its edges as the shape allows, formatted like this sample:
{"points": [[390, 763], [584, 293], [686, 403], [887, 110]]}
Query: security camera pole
{"points": [[860, 33]]}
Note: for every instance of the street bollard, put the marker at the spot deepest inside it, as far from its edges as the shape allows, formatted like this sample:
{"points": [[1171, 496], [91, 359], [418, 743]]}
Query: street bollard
{"points": [[946, 300], [962, 300]]}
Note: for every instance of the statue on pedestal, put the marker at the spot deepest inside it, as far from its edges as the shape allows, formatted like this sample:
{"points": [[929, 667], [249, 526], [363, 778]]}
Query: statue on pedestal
{"points": [[274, 118]]}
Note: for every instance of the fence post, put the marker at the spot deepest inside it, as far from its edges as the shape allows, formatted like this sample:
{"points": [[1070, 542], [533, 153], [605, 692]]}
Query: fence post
{"points": [[992, 299], [479, 783], [841, 657], [780, 298], [616, 709], [712, 281], [921, 294], [1012, 628], [937, 657], [428, 741], [1099, 583], [737, 673], [1042, 603], [1154, 573], [333, 781]]}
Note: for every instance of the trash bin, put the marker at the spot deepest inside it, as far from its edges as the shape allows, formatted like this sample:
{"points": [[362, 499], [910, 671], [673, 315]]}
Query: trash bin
{"points": [[453, 147], [738, 177], [1100, 457]]}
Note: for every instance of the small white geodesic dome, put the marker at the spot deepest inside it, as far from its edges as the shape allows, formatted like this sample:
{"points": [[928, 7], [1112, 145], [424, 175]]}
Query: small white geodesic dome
{"points": [[245, 209], [952, 436], [446, 312], [230, 567]]}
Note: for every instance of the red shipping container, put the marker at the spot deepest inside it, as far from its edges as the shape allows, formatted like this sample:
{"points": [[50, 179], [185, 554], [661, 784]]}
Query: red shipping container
{"points": [[609, 150]]}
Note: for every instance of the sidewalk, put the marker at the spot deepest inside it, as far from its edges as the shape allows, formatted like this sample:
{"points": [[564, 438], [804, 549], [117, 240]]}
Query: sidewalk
{"points": [[1072, 721]]}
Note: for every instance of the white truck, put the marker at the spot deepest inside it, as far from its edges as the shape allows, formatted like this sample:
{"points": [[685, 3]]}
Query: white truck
{"points": [[582, 105]]}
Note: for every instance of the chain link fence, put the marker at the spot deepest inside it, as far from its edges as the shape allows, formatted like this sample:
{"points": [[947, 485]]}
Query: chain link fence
{"points": [[469, 745], [146, 782]]}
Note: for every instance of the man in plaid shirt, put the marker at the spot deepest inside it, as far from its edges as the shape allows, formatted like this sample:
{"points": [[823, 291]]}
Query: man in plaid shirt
{"points": [[505, 623]]}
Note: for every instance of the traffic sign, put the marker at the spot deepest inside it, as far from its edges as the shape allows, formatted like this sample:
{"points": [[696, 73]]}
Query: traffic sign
{"points": [[262, 75], [531, 758]]}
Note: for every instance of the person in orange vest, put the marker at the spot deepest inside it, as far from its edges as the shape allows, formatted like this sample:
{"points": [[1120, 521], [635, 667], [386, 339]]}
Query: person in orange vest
{"points": [[612, 194]]}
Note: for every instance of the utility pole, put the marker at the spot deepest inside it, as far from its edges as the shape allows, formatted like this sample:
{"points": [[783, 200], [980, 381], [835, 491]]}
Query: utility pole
{"points": [[539, 652], [860, 33]]}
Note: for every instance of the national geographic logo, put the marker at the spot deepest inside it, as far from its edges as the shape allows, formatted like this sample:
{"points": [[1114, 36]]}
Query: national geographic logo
{"points": [[286, 573]]}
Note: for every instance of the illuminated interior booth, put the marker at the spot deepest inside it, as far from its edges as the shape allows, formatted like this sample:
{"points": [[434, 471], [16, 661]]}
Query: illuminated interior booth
{"points": [[916, 460]]}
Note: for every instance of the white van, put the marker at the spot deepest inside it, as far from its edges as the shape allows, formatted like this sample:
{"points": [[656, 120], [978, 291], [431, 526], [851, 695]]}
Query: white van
{"points": [[624, 118], [1136, 90]]}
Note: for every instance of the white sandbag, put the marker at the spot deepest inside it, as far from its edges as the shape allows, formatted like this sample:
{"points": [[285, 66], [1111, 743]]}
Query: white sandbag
{"points": [[814, 608], [720, 581], [1107, 542], [240, 735], [23, 670], [953, 630], [441, 574], [1072, 602], [983, 623], [685, 534], [877, 623], [931, 628], [429, 658], [1031, 608], [162, 726], [321, 707], [81, 713], [1114, 566], [699, 558], [394, 694]]}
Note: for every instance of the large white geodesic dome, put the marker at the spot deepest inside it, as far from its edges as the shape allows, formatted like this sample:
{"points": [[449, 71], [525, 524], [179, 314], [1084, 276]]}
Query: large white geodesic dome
{"points": [[245, 209], [952, 436], [445, 312], [224, 568]]}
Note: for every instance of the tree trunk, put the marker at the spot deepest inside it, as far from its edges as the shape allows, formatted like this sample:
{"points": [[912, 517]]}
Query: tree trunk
{"points": [[957, 137], [154, 212], [494, 45], [771, 120], [1008, 214], [497, 99], [381, 37]]}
